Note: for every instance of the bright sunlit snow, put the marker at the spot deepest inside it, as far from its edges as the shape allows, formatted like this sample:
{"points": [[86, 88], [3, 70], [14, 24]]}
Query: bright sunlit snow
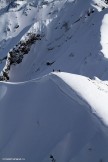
{"points": [[104, 33]]}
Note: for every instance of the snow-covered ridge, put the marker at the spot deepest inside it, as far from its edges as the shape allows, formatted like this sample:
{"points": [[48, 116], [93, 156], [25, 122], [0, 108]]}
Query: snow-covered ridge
{"points": [[51, 129], [51, 115], [89, 90]]}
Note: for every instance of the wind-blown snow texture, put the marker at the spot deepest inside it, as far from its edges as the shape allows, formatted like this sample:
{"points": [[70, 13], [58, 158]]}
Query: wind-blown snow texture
{"points": [[55, 103]]}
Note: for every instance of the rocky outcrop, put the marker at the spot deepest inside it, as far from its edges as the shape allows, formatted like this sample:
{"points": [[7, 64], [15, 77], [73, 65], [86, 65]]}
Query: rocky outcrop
{"points": [[16, 55]]}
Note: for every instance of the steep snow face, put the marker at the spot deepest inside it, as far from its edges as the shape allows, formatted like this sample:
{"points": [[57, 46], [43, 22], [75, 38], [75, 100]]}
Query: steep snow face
{"points": [[50, 116], [15, 19], [74, 38], [89, 91]]}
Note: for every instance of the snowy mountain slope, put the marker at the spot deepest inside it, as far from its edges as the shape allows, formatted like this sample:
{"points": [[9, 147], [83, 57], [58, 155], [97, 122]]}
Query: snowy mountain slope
{"points": [[74, 38], [15, 22], [48, 119], [88, 90], [46, 116]]}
